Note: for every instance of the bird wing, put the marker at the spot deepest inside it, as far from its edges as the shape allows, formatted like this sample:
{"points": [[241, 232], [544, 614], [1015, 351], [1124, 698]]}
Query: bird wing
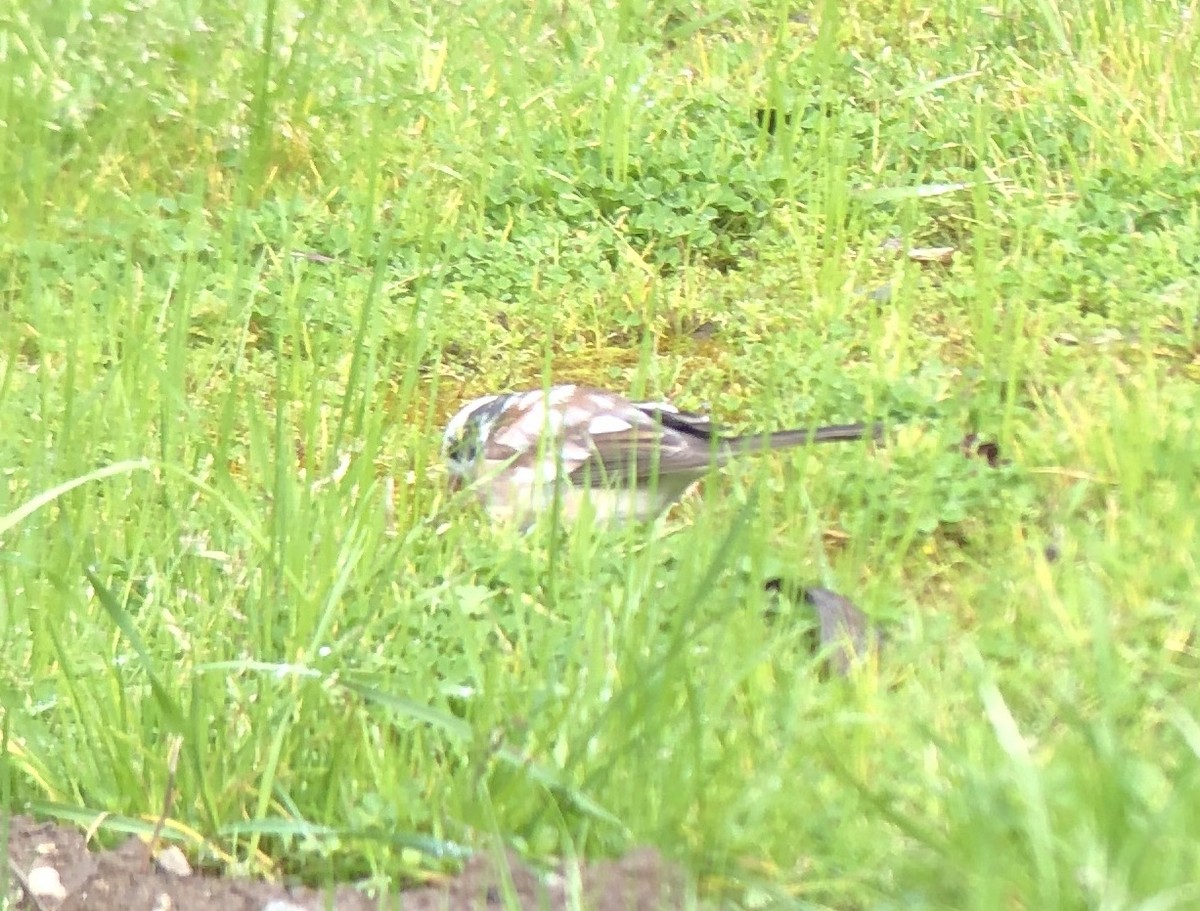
{"points": [[637, 441], [691, 423], [596, 438]]}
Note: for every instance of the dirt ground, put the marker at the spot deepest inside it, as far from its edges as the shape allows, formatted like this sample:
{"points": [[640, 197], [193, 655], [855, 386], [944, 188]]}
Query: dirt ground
{"points": [[51, 869]]}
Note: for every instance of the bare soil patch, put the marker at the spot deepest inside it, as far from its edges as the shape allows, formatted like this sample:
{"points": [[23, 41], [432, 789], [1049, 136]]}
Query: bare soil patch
{"points": [[127, 879]]}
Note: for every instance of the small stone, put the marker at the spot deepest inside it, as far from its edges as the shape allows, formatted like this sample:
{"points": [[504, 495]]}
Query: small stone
{"points": [[941, 255], [844, 629], [162, 903], [279, 904], [171, 860], [44, 883]]}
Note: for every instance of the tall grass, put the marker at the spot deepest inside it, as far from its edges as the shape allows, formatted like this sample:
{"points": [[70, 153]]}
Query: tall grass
{"points": [[253, 257]]}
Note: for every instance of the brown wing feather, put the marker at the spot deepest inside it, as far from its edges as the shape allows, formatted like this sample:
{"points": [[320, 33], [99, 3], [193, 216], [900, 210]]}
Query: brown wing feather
{"points": [[693, 448], [640, 453]]}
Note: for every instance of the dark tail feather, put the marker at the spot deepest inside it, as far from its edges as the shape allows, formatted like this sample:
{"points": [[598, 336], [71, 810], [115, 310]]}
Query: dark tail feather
{"points": [[801, 437]]}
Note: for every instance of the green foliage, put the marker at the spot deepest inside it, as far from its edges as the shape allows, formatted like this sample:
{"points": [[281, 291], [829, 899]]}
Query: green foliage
{"points": [[253, 257], [1124, 238]]}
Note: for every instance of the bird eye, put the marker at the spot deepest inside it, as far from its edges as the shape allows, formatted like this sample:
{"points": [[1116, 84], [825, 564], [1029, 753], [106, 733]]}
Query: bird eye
{"points": [[464, 447]]}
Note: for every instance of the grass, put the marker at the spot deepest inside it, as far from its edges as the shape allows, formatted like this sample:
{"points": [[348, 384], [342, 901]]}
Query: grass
{"points": [[222, 517]]}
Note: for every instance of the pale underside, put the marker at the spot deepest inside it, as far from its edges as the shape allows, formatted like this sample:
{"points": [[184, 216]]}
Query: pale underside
{"points": [[522, 493]]}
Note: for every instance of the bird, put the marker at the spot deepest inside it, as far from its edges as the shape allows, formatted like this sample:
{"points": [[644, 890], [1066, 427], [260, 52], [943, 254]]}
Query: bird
{"points": [[521, 453]]}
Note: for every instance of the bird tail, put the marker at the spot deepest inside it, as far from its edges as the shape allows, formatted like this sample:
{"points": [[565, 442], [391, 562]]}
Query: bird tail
{"points": [[782, 439]]}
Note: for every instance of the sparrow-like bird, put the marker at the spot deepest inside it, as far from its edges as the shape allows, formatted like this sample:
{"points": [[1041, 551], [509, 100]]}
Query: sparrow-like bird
{"points": [[629, 460]]}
